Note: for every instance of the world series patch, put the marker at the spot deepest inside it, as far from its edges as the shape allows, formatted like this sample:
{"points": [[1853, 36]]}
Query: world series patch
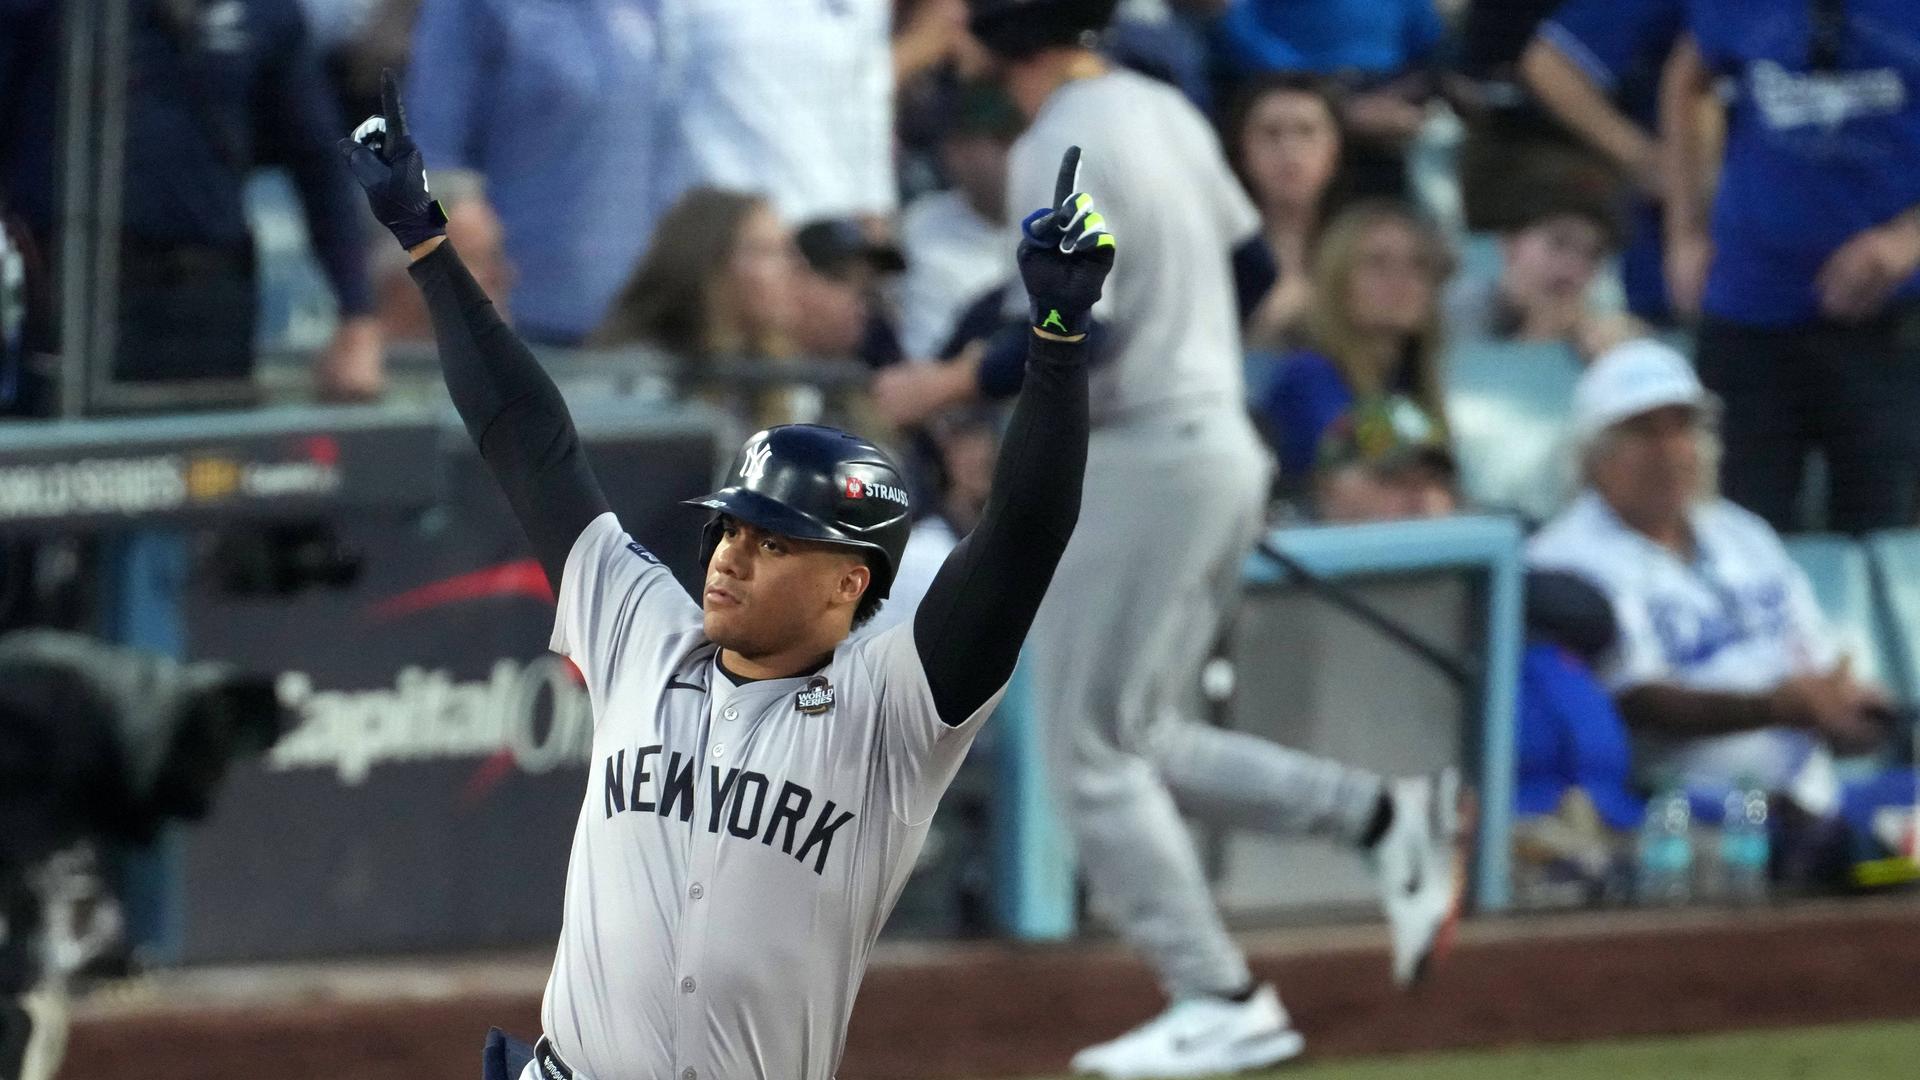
{"points": [[816, 697]]}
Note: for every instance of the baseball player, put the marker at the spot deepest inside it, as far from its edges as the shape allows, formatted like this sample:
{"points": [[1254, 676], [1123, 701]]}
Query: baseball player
{"points": [[760, 786], [1177, 479]]}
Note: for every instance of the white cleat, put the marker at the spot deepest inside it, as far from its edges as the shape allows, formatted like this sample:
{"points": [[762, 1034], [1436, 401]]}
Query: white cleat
{"points": [[1420, 864], [1203, 1036]]}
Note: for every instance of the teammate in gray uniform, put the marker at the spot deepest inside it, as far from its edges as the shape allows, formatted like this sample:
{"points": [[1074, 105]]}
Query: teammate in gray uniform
{"points": [[760, 785], [1177, 480]]}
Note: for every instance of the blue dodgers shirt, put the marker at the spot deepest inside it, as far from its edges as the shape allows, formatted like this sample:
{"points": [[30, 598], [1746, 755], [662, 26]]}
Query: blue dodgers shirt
{"points": [[1812, 157], [1370, 37]]}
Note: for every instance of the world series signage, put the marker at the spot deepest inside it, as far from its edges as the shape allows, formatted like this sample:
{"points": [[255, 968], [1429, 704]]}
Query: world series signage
{"points": [[104, 472]]}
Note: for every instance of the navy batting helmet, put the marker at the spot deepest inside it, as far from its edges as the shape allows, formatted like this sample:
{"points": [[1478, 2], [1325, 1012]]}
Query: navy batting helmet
{"points": [[817, 483], [1019, 28]]}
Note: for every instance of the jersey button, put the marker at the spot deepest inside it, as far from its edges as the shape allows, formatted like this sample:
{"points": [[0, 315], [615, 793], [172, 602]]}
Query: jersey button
{"points": [[697, 891], [719, 749], [731, 713], [689, 1074], [686, 985]]}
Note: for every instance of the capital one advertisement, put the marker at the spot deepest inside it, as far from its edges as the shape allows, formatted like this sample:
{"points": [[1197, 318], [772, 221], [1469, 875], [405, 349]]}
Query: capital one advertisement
{"points": [[428, 797]]}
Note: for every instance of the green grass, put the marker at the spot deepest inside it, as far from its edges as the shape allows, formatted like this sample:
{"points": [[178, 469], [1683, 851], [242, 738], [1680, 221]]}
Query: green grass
{"points": [[1853, 1052]]}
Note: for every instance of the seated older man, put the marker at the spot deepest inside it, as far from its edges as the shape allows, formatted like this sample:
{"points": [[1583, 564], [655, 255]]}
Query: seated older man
{"points": [[1724, 669]]}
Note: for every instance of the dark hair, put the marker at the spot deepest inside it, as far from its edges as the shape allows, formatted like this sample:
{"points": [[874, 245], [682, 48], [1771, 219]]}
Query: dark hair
{"points": [[1240, 110], [666, 302], [1579, 189]]}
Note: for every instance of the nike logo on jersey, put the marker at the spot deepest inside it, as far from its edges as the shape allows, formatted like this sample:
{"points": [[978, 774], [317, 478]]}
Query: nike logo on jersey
{"points": [[741, 801]]}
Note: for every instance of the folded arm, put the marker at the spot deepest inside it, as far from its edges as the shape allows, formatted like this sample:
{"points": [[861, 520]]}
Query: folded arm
{"points": [[1683, 711]]}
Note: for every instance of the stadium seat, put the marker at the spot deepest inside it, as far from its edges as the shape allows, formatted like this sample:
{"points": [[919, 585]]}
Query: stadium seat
{"points": [[1843, 585], [1895, 557], [1507, 406], [1479, 257]]}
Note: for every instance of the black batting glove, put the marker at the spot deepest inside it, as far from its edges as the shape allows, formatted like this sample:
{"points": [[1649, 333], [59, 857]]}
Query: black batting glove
{"points": [[384, 159], [1065, 253]]}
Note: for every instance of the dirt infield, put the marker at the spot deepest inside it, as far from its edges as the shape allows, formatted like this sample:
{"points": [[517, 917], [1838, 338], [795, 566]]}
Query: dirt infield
{"points": [[930, 1013]]}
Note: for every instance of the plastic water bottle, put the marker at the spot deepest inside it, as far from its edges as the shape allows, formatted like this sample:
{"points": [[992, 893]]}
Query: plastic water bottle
{"points": [[1745, 848], [1666, 848]]}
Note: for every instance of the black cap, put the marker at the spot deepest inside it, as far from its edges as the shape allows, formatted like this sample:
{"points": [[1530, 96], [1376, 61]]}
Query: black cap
{"points": [[832, 245]]}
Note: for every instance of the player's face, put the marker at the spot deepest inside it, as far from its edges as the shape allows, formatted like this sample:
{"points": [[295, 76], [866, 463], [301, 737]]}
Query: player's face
{"points": [[1290, 147], [768, 594], [1653, 468]]}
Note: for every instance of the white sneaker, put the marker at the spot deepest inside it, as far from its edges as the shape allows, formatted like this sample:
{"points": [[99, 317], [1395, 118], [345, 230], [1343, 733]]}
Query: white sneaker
{"points": [[1421, 866], [1202, 1036]]}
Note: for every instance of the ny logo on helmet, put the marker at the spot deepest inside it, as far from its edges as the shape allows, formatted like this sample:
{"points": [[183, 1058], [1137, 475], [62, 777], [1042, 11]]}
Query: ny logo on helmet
{"points": [[755, 466]]}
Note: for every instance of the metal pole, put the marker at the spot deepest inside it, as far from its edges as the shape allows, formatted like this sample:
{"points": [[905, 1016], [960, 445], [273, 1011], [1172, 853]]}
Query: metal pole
{"points": [[110, 126], [79, 31]]}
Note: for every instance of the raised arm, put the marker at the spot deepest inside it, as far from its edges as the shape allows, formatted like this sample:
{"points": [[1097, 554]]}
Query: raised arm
{"points": [[976, 614], [509, 405]]}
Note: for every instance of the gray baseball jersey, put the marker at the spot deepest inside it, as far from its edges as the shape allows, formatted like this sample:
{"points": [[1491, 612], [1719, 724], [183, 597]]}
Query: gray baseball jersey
{"points": [[1156, 169], [739, 846]]}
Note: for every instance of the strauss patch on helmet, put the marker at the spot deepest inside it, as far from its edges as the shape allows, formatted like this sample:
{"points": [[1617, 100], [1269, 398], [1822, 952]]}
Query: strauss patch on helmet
{"points": [[874, 489]]}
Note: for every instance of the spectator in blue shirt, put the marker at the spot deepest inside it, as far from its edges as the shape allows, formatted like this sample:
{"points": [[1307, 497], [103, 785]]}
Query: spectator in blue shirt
{"points": [[1381, 51], [1379, 38], [1805, 275], [1373, 328], [1595, 64], [558, 106], [214, 89]]}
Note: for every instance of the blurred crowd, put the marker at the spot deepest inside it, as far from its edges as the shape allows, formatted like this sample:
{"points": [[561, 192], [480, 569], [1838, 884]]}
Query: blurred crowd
{"points": [[1704, 213]]}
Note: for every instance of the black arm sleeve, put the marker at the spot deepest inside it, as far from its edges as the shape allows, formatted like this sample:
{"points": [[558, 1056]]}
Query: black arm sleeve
{"points": [[512, 410], [975, 616], [1004, 366]]}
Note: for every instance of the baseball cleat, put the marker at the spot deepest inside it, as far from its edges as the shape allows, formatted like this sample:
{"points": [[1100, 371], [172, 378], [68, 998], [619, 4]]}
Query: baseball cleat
{"points": [[1203, 1036], [1420, 865]]}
